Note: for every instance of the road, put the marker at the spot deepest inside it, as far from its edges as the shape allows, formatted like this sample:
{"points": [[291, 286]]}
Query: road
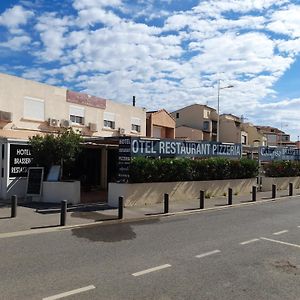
{"points": [[250, 252]]}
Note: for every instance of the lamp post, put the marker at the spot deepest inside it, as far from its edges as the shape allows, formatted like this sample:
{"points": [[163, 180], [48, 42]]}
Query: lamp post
{"points": [[218, 124]]}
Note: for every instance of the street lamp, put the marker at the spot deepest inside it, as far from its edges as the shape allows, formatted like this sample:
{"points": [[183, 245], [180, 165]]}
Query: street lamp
{"points": [[218, 124]]}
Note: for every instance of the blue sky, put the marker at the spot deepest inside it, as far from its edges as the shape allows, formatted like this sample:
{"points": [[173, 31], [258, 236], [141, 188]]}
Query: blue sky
{"points": [[168, 53]]}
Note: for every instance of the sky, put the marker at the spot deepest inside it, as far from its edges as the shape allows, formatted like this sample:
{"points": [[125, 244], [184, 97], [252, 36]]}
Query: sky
{"points": [[168, 53]]}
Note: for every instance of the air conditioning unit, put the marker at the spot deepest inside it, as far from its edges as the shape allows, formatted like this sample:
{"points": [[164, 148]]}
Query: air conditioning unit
{"points": [[93, 127], [121, 130], [65, 123], [5, 116], [53, 122]]}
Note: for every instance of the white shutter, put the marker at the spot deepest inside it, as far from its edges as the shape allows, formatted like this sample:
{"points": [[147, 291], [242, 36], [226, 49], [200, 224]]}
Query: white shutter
{"points": [[76, 111], [109, 116], [136, 121], [34, 109]]}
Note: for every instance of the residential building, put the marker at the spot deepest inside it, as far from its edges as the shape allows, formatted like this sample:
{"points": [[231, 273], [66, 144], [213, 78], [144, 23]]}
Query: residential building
{"points": [[275, 136], [28, 108], [160, 124], [231, 130], [255, 137], [196, 121]]}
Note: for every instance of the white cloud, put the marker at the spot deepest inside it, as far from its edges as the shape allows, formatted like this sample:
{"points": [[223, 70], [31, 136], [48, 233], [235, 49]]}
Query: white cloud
{"points": [[52, 30], [109, 48], [286, 21], [15, 17], [16, 43], [83, 4]]}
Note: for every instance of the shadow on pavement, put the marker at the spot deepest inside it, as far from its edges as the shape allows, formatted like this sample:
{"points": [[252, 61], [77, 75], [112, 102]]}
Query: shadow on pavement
{"points": [[110, 233]]}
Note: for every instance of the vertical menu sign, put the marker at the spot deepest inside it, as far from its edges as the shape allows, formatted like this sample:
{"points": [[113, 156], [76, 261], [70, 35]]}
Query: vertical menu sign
{"points": [[124, 159]]}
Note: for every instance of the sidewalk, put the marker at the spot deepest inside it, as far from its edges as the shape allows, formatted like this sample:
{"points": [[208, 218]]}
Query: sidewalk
{"points": [[40, 215]]}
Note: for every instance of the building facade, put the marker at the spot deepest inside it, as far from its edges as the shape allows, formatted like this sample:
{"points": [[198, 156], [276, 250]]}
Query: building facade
{"points": [[28, 108], [160, 124], [196, 120], [276, 137]]}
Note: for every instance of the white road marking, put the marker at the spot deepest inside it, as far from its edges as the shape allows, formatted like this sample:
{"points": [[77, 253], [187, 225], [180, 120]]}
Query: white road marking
{"points": [[73, 292], [208, 253], [280, 232], [249, 241], [151, 270], [280, 242]]}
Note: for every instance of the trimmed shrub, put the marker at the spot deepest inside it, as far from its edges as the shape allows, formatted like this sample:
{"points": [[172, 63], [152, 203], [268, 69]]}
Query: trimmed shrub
{"points": [[282, 169], [184, 169]]}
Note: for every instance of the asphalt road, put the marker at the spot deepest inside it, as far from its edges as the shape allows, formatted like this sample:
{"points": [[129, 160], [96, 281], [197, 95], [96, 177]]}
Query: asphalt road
{"points": [[250, 252]]}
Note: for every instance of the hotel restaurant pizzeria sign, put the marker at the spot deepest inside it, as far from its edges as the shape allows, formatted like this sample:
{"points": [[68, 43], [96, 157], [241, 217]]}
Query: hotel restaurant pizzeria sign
{"points": [[132, 147]]}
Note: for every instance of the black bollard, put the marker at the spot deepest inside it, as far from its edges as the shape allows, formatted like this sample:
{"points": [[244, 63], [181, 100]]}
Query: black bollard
{"points": [[229, 196], [166, 203], [63, 213], [14, 204], [121, 206], [291, 189], [274, 191], [254, 190], [202, 195]]}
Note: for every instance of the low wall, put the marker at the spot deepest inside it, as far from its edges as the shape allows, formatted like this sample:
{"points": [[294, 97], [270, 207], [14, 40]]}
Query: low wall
{"points": [[139, 194], [55, 192], [281, 182]]}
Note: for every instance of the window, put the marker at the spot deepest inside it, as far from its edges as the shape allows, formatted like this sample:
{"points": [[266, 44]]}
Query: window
{"points": [[177, 115], [34, 109], [136, 124], [244, 140], [77, 115], [206, 113], [206, 126], [109, 120]]}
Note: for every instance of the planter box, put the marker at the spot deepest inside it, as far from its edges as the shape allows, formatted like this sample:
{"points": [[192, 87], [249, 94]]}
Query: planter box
{"points": [[55, 192], [281, 182], [139, 194]]}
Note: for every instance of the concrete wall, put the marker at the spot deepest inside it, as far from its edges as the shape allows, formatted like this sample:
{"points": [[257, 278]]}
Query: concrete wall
{"points": [[55, 192], [189, 133], [229, 132], [13, 90], [281, 182], [140, 194]]}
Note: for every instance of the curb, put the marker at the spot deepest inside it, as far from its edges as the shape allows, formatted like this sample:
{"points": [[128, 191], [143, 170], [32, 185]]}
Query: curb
{"points": [[138, 219]]}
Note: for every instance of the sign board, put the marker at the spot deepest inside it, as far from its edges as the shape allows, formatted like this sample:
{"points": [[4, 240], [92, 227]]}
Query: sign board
{"points": [[124, 159], [54, 173], [20, 160], [179, 148], [34, 181], [278, 153], [131, 147]]}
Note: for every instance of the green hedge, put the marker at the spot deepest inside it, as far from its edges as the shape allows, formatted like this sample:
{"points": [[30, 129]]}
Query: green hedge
{"points": [[184, 169], [282, 169]]}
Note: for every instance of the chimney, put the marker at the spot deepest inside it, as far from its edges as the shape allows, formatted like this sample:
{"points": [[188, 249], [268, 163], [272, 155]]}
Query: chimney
{"points": [[133, 100]]}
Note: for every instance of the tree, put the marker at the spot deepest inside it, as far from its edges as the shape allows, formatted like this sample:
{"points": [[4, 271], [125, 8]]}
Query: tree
{"points": [[56, 149]]}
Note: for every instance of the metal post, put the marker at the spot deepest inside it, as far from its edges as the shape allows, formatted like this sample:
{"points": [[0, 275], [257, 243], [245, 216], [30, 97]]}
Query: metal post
{"points": [[121, 206], [274, 191], [291, 189], [229, 196], [166, 203], [14, 203], [202, 194], [254, 190], [63, 213], [218, 112]]}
